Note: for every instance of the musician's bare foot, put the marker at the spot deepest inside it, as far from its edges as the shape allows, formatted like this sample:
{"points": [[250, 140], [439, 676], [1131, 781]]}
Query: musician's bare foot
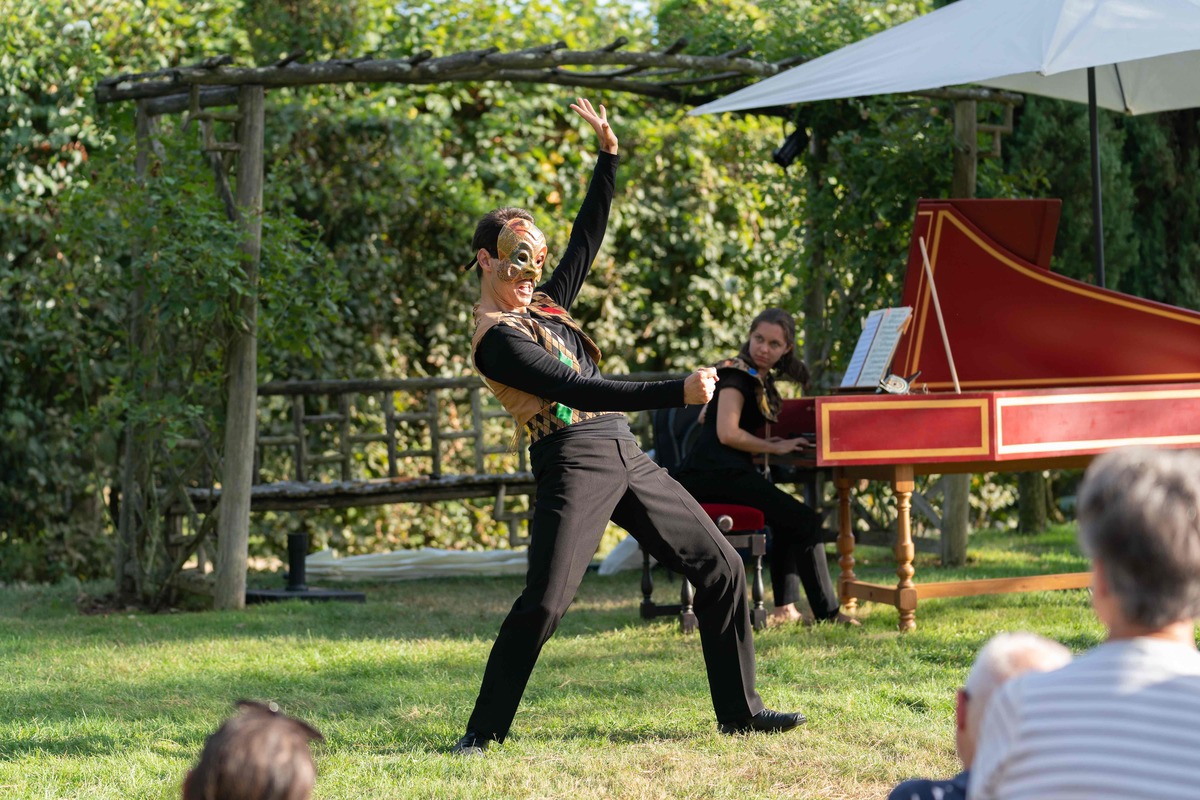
{"points": [[783, 615], [843, 618]]}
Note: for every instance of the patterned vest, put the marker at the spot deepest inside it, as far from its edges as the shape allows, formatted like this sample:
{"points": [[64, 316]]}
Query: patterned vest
{"points": [[537, 415]]}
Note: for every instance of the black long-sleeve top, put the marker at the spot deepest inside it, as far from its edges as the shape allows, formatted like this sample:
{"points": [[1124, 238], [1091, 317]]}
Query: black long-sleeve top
{"points": [[509, 356]]}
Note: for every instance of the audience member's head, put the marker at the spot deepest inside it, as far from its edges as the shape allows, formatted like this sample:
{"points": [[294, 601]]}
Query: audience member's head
{"points": [[258, 754], [1005, 656], [1139, 523]]}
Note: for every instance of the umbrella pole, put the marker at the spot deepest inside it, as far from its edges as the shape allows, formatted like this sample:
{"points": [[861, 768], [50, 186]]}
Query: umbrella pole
{"points": [[1097, 208]]}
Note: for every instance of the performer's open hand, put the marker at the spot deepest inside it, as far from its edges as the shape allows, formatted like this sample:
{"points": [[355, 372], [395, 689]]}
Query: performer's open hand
{"points": [[698, 387], [599, 123]]}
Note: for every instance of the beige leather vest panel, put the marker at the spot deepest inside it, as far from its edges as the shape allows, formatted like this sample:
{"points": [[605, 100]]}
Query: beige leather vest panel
{"points": [[538, 416]]}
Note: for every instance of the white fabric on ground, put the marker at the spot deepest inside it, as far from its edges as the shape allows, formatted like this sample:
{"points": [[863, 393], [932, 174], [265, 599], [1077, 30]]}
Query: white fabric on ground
{"points": [[626, 555], [426, 562]]}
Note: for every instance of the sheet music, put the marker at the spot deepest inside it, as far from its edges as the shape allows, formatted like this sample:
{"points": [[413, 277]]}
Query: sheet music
{"points": [[870, 327], [876, 346]]}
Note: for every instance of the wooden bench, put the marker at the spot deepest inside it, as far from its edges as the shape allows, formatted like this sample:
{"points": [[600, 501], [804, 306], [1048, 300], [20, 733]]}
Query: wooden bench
{"points": [[373, 442]]}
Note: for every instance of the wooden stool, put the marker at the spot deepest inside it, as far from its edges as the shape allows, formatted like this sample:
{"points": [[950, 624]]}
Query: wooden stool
{"points": [[743, 526]]}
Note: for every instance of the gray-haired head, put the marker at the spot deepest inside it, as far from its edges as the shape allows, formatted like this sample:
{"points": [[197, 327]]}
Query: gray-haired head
{"points": [[1005, 656], [1139, 519]]}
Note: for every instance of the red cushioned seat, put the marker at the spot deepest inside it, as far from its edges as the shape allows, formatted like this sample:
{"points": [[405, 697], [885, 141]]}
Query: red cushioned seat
{"points": [[748, 532], [744, 518]]}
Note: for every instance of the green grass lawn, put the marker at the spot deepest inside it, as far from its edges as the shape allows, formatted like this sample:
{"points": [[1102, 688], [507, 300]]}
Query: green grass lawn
{"points": [[118, 705]]}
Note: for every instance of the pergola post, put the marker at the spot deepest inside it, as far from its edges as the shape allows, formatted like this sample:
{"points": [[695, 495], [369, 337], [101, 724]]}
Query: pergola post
{"points": [[233, 527]]}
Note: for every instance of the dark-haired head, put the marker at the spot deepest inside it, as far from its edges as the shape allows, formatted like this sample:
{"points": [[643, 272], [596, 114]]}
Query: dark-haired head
{"points": [[258, 754], [789, 366], [487, 233]]}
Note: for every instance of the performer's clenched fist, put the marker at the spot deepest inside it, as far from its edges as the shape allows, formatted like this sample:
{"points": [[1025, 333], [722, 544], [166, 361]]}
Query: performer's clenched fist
{"points": [[698, 388]]}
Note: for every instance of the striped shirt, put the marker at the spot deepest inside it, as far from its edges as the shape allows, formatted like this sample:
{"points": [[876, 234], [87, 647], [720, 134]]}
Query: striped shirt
{"points": [[1120, 722]]}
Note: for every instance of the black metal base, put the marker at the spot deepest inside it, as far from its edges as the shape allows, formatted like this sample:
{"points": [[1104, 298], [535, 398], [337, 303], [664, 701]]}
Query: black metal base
{"points": [[297, 546], [275, 595]]}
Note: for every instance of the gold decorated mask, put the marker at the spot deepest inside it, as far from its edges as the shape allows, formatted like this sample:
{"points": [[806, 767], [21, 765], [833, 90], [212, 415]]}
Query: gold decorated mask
{"points": [[522, 250]]}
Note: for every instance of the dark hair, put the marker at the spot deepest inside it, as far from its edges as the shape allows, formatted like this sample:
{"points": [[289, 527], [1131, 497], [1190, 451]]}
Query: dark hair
{"points": [[258, 754], [487, 232], [1139, 518], [790, 366]]}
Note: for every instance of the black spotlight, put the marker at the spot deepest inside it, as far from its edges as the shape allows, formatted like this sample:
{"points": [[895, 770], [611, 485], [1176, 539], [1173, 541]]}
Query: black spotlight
{"points": [[792, 146]]}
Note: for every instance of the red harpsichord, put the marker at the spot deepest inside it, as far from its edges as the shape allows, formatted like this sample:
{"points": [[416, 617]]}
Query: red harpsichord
{"points": [[1052, 371]]}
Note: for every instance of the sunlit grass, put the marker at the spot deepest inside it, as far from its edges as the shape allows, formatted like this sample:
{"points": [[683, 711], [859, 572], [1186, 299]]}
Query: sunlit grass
{"points": [[118, 705]]}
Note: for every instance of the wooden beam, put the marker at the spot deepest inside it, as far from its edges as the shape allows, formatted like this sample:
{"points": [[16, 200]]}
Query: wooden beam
{"points": [[1027, 583], [209, 97], [411, 70], [966, 148], [980, 95], [548, 63]]}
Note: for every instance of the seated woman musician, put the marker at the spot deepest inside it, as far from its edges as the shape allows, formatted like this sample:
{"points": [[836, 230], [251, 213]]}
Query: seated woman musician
{"points": [[720, 466]]}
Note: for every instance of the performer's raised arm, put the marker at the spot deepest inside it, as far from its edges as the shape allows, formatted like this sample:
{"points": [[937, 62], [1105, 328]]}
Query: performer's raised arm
{"points": [[587, 233]]}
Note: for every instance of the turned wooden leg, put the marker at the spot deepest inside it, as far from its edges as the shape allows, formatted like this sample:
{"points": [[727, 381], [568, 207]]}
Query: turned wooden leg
{"points": [[906, 593], [758, 614], [845, 545], [687, 615], [647, 607]]}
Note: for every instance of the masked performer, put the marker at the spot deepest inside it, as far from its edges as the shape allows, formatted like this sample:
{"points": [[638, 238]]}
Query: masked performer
{"points": [[720, 468], [588, 466]]}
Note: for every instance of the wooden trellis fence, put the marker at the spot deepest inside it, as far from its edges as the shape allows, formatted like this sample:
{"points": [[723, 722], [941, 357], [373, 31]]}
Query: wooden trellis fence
{"points": [[354, 443]]}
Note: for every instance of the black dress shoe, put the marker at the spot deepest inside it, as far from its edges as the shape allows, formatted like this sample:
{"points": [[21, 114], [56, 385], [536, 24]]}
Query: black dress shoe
{"points": [[765, 721], [472, 744]]}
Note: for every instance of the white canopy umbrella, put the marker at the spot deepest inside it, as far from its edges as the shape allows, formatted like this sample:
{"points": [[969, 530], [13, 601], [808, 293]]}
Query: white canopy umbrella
{"points": [[1144, 55]]}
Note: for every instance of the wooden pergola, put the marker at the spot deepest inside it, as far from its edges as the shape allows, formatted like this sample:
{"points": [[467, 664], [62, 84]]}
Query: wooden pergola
{"points": [[216, 83]]}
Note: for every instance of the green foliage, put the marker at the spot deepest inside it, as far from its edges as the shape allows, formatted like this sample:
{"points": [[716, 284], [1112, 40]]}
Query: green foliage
{"points": [[166, 242], [803, 29], [48, 513], [159, 255], [163, 253], [86, 249], [874, 161], [701, 239], [1050, 144], [1162, 152], [1151, 236], [319, 29], [373, 193], [849, 198]]}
